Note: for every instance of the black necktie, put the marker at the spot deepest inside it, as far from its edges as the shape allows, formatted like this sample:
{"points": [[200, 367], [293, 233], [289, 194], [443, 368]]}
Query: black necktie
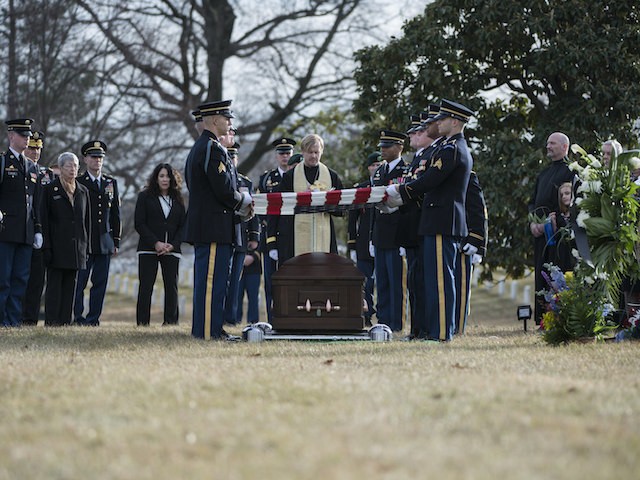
{"points": [[97, 182]]}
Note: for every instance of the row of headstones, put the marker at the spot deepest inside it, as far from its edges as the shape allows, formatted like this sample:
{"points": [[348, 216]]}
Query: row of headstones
{"points": [[516, 288]]}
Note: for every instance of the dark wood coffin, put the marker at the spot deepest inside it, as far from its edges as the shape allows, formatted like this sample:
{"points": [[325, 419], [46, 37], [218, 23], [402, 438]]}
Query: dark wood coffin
{"points": [[317, 291]]}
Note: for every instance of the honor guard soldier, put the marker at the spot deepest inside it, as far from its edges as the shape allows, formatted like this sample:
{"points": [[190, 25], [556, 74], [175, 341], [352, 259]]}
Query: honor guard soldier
{"points": [[386, 223], [268, 183], [443, 222], [35, 286], [105, 233], [474, 248], [197, 121], [22, 231], [249, 239], [359, 226], [214, 201]]}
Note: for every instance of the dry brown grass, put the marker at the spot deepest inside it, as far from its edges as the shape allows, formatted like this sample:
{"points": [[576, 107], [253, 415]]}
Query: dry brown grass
{"points": [[120, 402]]}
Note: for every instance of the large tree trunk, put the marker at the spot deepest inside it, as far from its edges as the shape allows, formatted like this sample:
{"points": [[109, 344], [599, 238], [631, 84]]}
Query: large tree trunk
{"points": [[219, 19], [12, 90]]}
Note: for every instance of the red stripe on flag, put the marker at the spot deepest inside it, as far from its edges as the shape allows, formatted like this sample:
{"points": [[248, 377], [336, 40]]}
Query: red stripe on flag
{"points": [[274, 203], [303, 199], [333, 197], [362, 195]]}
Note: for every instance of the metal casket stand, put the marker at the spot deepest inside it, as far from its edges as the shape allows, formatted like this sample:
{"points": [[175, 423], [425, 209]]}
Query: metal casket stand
{"points": [[317, 296]]}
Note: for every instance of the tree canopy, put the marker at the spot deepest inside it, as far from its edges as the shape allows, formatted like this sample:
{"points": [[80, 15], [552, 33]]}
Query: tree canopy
{"points": [[528, 68]]}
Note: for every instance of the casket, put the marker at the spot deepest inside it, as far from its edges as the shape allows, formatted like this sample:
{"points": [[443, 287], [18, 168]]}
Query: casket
{"points": [[317, 292]]}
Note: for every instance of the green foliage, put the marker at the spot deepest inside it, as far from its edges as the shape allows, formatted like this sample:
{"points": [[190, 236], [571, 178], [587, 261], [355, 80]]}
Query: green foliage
{"points": [[528, 68]]}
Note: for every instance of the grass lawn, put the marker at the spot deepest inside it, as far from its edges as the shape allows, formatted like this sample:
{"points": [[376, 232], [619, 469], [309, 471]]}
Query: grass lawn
{"points": [[121, 402]]}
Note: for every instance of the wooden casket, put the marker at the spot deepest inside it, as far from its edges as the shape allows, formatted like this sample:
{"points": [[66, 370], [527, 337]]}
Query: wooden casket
{"points": [[317, 292]]}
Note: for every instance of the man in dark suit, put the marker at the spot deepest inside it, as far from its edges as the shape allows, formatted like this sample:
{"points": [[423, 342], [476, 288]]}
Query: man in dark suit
{"points": [[268, 183], [386, 222], [443, 221], [105, 233], [35, 286], [22, 231], [214, 200], [359, 226]]}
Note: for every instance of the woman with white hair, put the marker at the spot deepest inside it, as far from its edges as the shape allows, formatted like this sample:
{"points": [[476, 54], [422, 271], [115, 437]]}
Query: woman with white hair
{"points": [[66, 229]]}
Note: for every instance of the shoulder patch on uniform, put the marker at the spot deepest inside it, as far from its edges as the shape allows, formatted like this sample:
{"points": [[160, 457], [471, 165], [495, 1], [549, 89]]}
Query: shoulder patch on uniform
{"points": [[222, 168], [436, 163]]}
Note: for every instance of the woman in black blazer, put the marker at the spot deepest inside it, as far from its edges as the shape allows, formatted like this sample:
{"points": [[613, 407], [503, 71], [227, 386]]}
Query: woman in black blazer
{"points": [[66, 226], [159, 219]]}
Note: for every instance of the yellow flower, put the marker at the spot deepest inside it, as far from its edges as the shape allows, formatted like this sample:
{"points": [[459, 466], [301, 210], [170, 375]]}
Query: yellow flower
{"points": [[568, 276]]}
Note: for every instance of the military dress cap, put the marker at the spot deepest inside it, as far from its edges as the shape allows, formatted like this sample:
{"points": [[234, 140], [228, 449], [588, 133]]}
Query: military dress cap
{"points": [[283, 144], [454, 110], [432, 112], [415, 124], [221, 107], [197, 116], [36, 140], [297, 158], [372, 158], [233, 151], [94, 148], [388, 138], [20, 125]]}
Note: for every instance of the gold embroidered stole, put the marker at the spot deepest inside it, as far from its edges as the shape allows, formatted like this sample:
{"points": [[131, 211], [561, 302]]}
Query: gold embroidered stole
{"points": [[312, 231]]}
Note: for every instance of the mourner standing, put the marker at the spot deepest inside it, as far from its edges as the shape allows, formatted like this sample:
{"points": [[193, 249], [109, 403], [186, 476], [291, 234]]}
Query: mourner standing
{"points": [[66, 225], [544, 201], [21, 231], [35, 286], [105, 233], [214, 200], [160, 217]]}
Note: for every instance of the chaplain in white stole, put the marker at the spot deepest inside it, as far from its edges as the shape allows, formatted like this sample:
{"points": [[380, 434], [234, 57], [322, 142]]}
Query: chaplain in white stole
{"points": [[312, 231]]}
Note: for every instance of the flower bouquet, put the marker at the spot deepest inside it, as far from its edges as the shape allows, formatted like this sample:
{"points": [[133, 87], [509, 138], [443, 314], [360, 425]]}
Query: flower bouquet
{"points": [[605, 216]]}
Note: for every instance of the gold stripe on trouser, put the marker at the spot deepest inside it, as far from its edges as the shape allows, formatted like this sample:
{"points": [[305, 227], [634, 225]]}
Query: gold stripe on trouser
{"points": [[405, 297], [442, 313], [463, 291], [209, 291]]}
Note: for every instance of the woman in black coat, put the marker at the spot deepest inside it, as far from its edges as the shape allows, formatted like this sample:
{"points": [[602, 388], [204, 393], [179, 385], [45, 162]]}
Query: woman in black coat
{"points": [[65, 230], [159, 219]]}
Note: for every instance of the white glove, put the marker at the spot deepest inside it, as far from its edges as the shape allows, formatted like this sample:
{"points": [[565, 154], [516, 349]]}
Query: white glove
{"points": [[469, 249], [372, 250], [37, 241], [1, 216], [476, 259], [393, 196], [402, 252], [353, 255], [384, 208], [273, 255]]}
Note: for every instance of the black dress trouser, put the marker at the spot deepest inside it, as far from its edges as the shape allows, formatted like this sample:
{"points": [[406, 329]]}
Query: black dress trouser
{"points": [[147, 272], [58, 299]]}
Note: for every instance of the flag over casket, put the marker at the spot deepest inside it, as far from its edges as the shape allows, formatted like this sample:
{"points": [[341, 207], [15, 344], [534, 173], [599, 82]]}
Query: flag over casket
{"points": [[290, 203]]}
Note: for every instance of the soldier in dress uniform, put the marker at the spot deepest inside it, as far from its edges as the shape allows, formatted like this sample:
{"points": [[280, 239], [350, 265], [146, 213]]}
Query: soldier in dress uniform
{"points": [[359, 226], [22, 231], [214, 200], [248, 242], [386, 223], [473, 250], [443, 222], [197, 119], [35, 286], [105, 233], [268, 183]]}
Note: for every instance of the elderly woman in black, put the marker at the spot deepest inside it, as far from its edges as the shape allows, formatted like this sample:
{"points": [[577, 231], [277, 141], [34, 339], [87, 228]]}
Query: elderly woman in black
{"points": [[159, 219], [65, 229]]}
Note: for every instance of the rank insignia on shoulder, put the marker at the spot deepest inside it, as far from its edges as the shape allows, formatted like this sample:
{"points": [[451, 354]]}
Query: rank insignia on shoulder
{"points": [[222, 168], [437, 164]]}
